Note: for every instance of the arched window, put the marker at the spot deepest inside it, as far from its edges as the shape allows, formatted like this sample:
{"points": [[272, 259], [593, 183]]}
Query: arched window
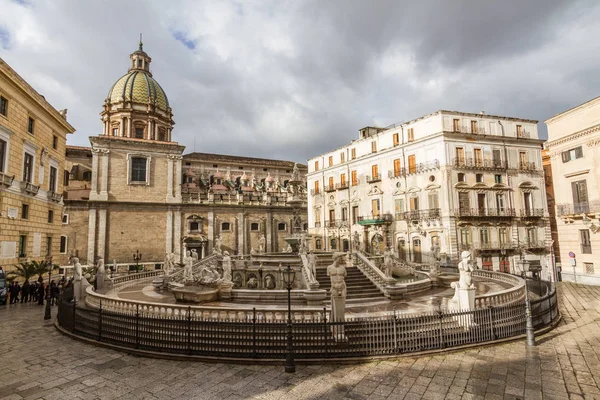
{"points": [[333, 244], [318, 244]]}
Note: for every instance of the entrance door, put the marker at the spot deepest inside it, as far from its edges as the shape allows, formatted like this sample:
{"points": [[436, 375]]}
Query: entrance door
{"points": [[481, 203], [580, 197], [345, 245], [504, 265], [377, 245], [402, 249], [417, 257], [463, 202]]}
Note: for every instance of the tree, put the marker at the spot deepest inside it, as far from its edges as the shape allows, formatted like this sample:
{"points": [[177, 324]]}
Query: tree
{"points": [[29, 269]]}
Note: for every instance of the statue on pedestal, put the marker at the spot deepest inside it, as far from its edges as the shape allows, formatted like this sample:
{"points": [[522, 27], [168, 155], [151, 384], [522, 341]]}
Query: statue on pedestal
{"points": [[312, 265], [261, 244], [434, 270], [187, 267], [465, 267], [356, 242], [226, 267], [337, 274], [194, 255], [295, 173], [388, 262], [217, 248], [100, 273], [464, 292], [80, 283], [288, 249], [169, 263]]}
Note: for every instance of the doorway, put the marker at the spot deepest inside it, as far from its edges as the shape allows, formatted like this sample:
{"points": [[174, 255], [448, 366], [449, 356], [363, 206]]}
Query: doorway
{"points": [[417, 256]]}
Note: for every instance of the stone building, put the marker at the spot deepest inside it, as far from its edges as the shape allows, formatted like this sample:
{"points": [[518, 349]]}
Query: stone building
{"points": [[33, 136], [134, 190], [573, 147], [449, 179]]}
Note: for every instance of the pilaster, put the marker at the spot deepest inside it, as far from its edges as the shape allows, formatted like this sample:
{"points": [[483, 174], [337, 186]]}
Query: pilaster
{"points": [[211, 232], [178, 173], [94, 189], [169, 233], [170, 198], [102, 233], [91, 236], [269, 233], [177, 232], [104, 184], [240, 232]]}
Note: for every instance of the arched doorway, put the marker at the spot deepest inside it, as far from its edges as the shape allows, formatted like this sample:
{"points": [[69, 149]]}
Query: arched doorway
{"points": [[345, 245], [402, 249], [377, 245], [417, 256]]}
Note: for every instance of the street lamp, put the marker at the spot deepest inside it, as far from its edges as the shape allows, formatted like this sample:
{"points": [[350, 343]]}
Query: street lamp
{"points": [[288, 278], [137, 257], [47, 314], [529, 332]]}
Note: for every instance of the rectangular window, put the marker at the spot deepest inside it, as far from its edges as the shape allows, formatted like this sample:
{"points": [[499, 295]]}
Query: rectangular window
{"points": [[500, 203], [396, 139], [434, 201], [63, 244], [474, 127], [3, 106], [460, 155], [519, 130], [498, 178], [139, 133], [344, 214], [53, 179], [532, 236], [396, 167], [354, 178], [316, 187], [456, 125], [496, 158], [375, 171], [463, 202], [3, 148], [54, 142], [478, 155], [412, 164], [316, 165], [138, 169], [25, 211], [414, 203], [522, 159], [30, 125], [580, 197], [65, 219], [331, 215], [484, 236], [281, 226], [502, 238], [317, 218], [399, 206], [28, 167], [66, 176], [479, 178], [486, 263], [50, 216], [465, 237], [48, 246], [353, 153], [572, 154], [331, 161], [373, 147], [115, 131], [586, 244], [331, 183], [411, 134], [225, 226], [589, 268], [22, 246], [343, 179], [375, 207], [355, 214], [342, 157]]}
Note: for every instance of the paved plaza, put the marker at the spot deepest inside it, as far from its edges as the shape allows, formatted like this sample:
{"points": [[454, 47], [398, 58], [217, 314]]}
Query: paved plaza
{"points": [[40, 363]]}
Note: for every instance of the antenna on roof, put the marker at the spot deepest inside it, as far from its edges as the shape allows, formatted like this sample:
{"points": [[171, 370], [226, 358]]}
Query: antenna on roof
{"points": [[141, 44]]}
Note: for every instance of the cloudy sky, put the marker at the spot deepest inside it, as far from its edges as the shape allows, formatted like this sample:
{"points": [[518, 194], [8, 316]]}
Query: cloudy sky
{"points": [[292, 79]]}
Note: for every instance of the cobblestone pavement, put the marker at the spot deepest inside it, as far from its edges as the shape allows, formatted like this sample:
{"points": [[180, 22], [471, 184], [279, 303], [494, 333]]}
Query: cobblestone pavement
{"points": [[38, 362]]}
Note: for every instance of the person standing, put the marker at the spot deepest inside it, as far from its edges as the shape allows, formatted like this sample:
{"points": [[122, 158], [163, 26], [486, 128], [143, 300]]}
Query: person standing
{"points": [[40, 294], [54, 293], [14, 294], [25, 292]]}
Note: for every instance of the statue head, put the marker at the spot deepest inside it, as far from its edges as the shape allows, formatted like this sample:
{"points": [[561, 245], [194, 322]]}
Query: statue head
{"points": [[225, 253], [75, 260], [338, 256], [188, 253], [465, 254]]}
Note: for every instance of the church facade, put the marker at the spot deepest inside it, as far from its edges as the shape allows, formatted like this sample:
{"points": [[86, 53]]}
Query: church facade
{"points": [[135, 191]]}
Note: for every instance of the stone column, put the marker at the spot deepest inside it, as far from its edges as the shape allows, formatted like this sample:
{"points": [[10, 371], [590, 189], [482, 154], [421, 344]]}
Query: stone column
{"points": [[121, 126], [211, 232], [269, 234], [129, 127], [178, 176], [241, 236], [169, 240], [94, 190], [102, 233], [91, 236], [104, 185], [170, 179], [177, 233], [106, 127]]}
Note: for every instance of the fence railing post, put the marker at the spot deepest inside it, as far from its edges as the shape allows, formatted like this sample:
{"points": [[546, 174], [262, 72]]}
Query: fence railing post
{"points": [[325, 329], [189, 330], [137, 326], [254, 332], [492, 322], [100, 322], [441, 316]]}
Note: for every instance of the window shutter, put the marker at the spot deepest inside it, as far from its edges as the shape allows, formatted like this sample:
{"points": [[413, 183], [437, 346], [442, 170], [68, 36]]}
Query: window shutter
{"points": [[578, 152], [565, 156]]}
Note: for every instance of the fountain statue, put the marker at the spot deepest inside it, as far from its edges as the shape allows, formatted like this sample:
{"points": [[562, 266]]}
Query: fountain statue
{"points": [[226, 267], [464, 291], [187, 267], [388, 262], [169, 265], [80, 283], [337, 274], [217, 248]]}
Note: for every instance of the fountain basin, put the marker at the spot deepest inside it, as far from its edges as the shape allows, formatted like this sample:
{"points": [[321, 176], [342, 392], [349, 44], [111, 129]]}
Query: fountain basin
{"points": [[194, 294]]}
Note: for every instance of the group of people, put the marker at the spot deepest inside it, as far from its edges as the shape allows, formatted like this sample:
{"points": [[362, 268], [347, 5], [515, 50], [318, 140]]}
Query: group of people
{"points": [[36, 291]]}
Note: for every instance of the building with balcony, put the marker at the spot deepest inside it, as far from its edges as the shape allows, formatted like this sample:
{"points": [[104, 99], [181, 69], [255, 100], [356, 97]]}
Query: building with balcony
{"points": [[134, 190], [449, 179], [33, 136], [574, 151]]}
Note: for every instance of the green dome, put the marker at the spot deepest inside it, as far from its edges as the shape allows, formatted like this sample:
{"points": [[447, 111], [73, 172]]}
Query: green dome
{"points": [[138, 87]]}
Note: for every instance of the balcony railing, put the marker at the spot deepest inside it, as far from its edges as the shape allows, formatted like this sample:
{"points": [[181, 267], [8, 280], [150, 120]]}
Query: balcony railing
{"points": [[341, 185], [535, 244], [416, 169], [336, 223], [578, 208], [487, 212], [375, 219], [29, 188], [315, 191], [532, 213], [374, 178], [53, 196], [329, 188], [417, 215], [6, 180], [484, 164], [508, 245], [527, 166], [467, 129]]}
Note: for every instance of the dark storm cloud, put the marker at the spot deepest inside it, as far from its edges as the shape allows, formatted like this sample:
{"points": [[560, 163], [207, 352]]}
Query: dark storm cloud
{"points": [[293, 79]]}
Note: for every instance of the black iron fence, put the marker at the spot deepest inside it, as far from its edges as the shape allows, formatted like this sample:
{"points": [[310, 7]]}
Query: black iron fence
{"points": [[255, 338]]}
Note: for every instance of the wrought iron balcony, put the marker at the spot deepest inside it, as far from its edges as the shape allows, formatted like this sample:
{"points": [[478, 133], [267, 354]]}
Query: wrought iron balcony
{"points": [[585, 207], [6, 180], [53, 196], [374, 178], [415, 169], [534, 244], [336, 223], [532, 213], [417, 215], [476, 164], [29, 188], [508, 245], [375, 219], [484, 212], [329, 188], [527, 166], [467, 129], [315, 191], [341, 185]]}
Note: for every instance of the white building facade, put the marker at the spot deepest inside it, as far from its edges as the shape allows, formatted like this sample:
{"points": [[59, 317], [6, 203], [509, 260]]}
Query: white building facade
{"points": [[449, 179], [574, 149]]}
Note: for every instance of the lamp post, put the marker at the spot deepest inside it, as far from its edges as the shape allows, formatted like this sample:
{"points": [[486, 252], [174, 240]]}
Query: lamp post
{"points": [[48, 311], [137, 257], [529, 332], [288, 278]]}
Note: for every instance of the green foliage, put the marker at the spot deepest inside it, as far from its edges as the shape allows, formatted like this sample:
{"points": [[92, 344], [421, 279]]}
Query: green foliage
{"points": [[29, 269]]}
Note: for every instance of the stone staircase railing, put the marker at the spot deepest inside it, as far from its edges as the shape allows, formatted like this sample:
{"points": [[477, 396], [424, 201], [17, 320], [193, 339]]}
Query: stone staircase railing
{"points": [[311, 281], [504, 297], [368, 268]]}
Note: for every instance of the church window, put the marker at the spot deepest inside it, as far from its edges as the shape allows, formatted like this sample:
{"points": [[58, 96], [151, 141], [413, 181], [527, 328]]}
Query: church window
{"points": [[138, 169], [115, 131], [139, 133], [87, 176], [281, 226], [194, 226], [254, 226], [226, 226]]}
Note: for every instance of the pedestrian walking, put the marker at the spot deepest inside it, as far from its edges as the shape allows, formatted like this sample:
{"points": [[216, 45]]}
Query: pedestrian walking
{"points": [[40, 294], [25, 291], [54, 292]]}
